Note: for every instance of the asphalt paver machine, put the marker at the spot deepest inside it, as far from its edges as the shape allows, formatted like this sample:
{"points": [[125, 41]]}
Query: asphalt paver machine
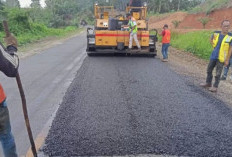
{"points": [[110, 36]]}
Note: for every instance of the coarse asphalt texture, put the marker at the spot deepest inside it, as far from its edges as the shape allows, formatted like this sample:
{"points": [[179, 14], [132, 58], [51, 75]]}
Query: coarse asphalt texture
{"points": [[137, 105]]}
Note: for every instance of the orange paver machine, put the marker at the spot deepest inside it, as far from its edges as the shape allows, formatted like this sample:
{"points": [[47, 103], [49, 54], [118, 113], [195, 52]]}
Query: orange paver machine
{"points": [[110, 34]]}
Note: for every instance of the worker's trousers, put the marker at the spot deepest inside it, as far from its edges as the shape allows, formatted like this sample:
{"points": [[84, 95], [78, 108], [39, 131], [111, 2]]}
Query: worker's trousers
{"points": [[6, 137], [219, 68], [165, 50], [134, 36]]}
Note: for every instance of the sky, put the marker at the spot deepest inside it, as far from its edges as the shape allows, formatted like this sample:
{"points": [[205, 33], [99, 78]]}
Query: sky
{"points": [[26, 3]]}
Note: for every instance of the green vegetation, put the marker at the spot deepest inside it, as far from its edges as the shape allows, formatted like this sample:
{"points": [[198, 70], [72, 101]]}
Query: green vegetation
{"points": [[209, 5], [164, 6], [204, 21], [197, 43], [32, 24], [40, 31], [176, 23], [26, 30]]}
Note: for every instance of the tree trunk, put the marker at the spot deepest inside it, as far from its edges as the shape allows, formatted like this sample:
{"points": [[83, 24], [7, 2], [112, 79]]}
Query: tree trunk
{"points": [[160, 6], [178, 8]]}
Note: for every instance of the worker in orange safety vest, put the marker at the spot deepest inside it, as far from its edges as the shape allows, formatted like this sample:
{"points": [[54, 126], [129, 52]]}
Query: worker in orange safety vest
{"points": [[166, 38]]}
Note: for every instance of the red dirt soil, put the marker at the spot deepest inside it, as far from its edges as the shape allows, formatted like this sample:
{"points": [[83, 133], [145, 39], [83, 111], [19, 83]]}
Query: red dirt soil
{"points": [[158, 22], [191, 21], [216, 17]]}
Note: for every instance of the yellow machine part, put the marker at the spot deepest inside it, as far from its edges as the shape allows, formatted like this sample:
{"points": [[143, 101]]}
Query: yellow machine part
{"points": [[142, 24], [106, 38], [102, 23], [143, 38], [121, 18], [106, 15], [111, 38]]}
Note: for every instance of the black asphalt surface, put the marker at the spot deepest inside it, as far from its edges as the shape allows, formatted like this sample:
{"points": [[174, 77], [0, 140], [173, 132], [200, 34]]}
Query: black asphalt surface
{"points": [[138, 105]]}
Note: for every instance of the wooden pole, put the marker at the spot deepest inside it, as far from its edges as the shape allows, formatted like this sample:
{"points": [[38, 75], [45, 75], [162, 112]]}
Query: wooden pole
{"points": [[24, 103]]}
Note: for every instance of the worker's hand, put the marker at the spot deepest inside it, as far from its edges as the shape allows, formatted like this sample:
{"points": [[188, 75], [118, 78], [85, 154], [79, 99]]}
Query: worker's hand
{"points": [[160, 32], [226, 63], [11, 41], [12, 44]]}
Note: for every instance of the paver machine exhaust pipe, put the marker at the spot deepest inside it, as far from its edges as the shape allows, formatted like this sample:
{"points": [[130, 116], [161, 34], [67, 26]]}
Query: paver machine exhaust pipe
{"points": [[24, 104]]}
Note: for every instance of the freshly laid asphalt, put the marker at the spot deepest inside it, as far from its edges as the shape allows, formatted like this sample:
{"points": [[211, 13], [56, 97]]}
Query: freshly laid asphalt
{"points": [[137, 105]]}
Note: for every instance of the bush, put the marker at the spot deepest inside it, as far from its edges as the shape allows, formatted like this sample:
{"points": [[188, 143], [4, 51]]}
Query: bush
{"points": [[19, 21], [40, 31], [204, 21], [26, 31], [195, 42], [176, 23]]}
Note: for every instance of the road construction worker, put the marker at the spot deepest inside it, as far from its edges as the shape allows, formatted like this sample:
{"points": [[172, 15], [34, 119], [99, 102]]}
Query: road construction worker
{"points": [[8, 65], [166, 38], [133, 29], [221, 42]]}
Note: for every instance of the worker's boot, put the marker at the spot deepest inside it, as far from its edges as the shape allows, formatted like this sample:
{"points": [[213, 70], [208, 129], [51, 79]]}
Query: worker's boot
{"points": [[213, 89], [205, 85], [164, 60], [223, 77]]}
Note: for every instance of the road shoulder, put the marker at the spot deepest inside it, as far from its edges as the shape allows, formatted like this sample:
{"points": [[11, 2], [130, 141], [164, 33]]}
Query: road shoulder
{"points": [[46, 43], [194, 68]]}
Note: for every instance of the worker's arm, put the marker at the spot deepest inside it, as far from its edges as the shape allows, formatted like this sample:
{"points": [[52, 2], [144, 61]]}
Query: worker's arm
{"points": [[162, 33], [9, 62], [133, 28], [211, 40], [228, 56]]}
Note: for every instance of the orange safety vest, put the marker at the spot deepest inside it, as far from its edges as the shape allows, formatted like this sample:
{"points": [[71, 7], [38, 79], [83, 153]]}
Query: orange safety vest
{"points": [[2, 94], [167, 37]]}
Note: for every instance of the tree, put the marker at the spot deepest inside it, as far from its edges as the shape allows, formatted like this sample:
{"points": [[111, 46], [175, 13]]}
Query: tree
{"points": [[2, 4], [176, 23], [204, 21], [35, 4], [63, 11], [13, 3]]}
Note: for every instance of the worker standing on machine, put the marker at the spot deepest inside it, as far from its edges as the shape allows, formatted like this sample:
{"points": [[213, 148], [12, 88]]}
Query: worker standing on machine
{"points": [[133, 29]]}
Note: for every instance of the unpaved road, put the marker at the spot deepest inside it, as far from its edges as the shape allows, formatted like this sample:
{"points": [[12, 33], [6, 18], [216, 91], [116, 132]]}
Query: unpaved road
{"points": [[45, 77], [129, 106]]}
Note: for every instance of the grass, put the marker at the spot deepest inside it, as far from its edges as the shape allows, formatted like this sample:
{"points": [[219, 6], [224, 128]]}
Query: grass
{"points": [[197, 43], [39, 31]]}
